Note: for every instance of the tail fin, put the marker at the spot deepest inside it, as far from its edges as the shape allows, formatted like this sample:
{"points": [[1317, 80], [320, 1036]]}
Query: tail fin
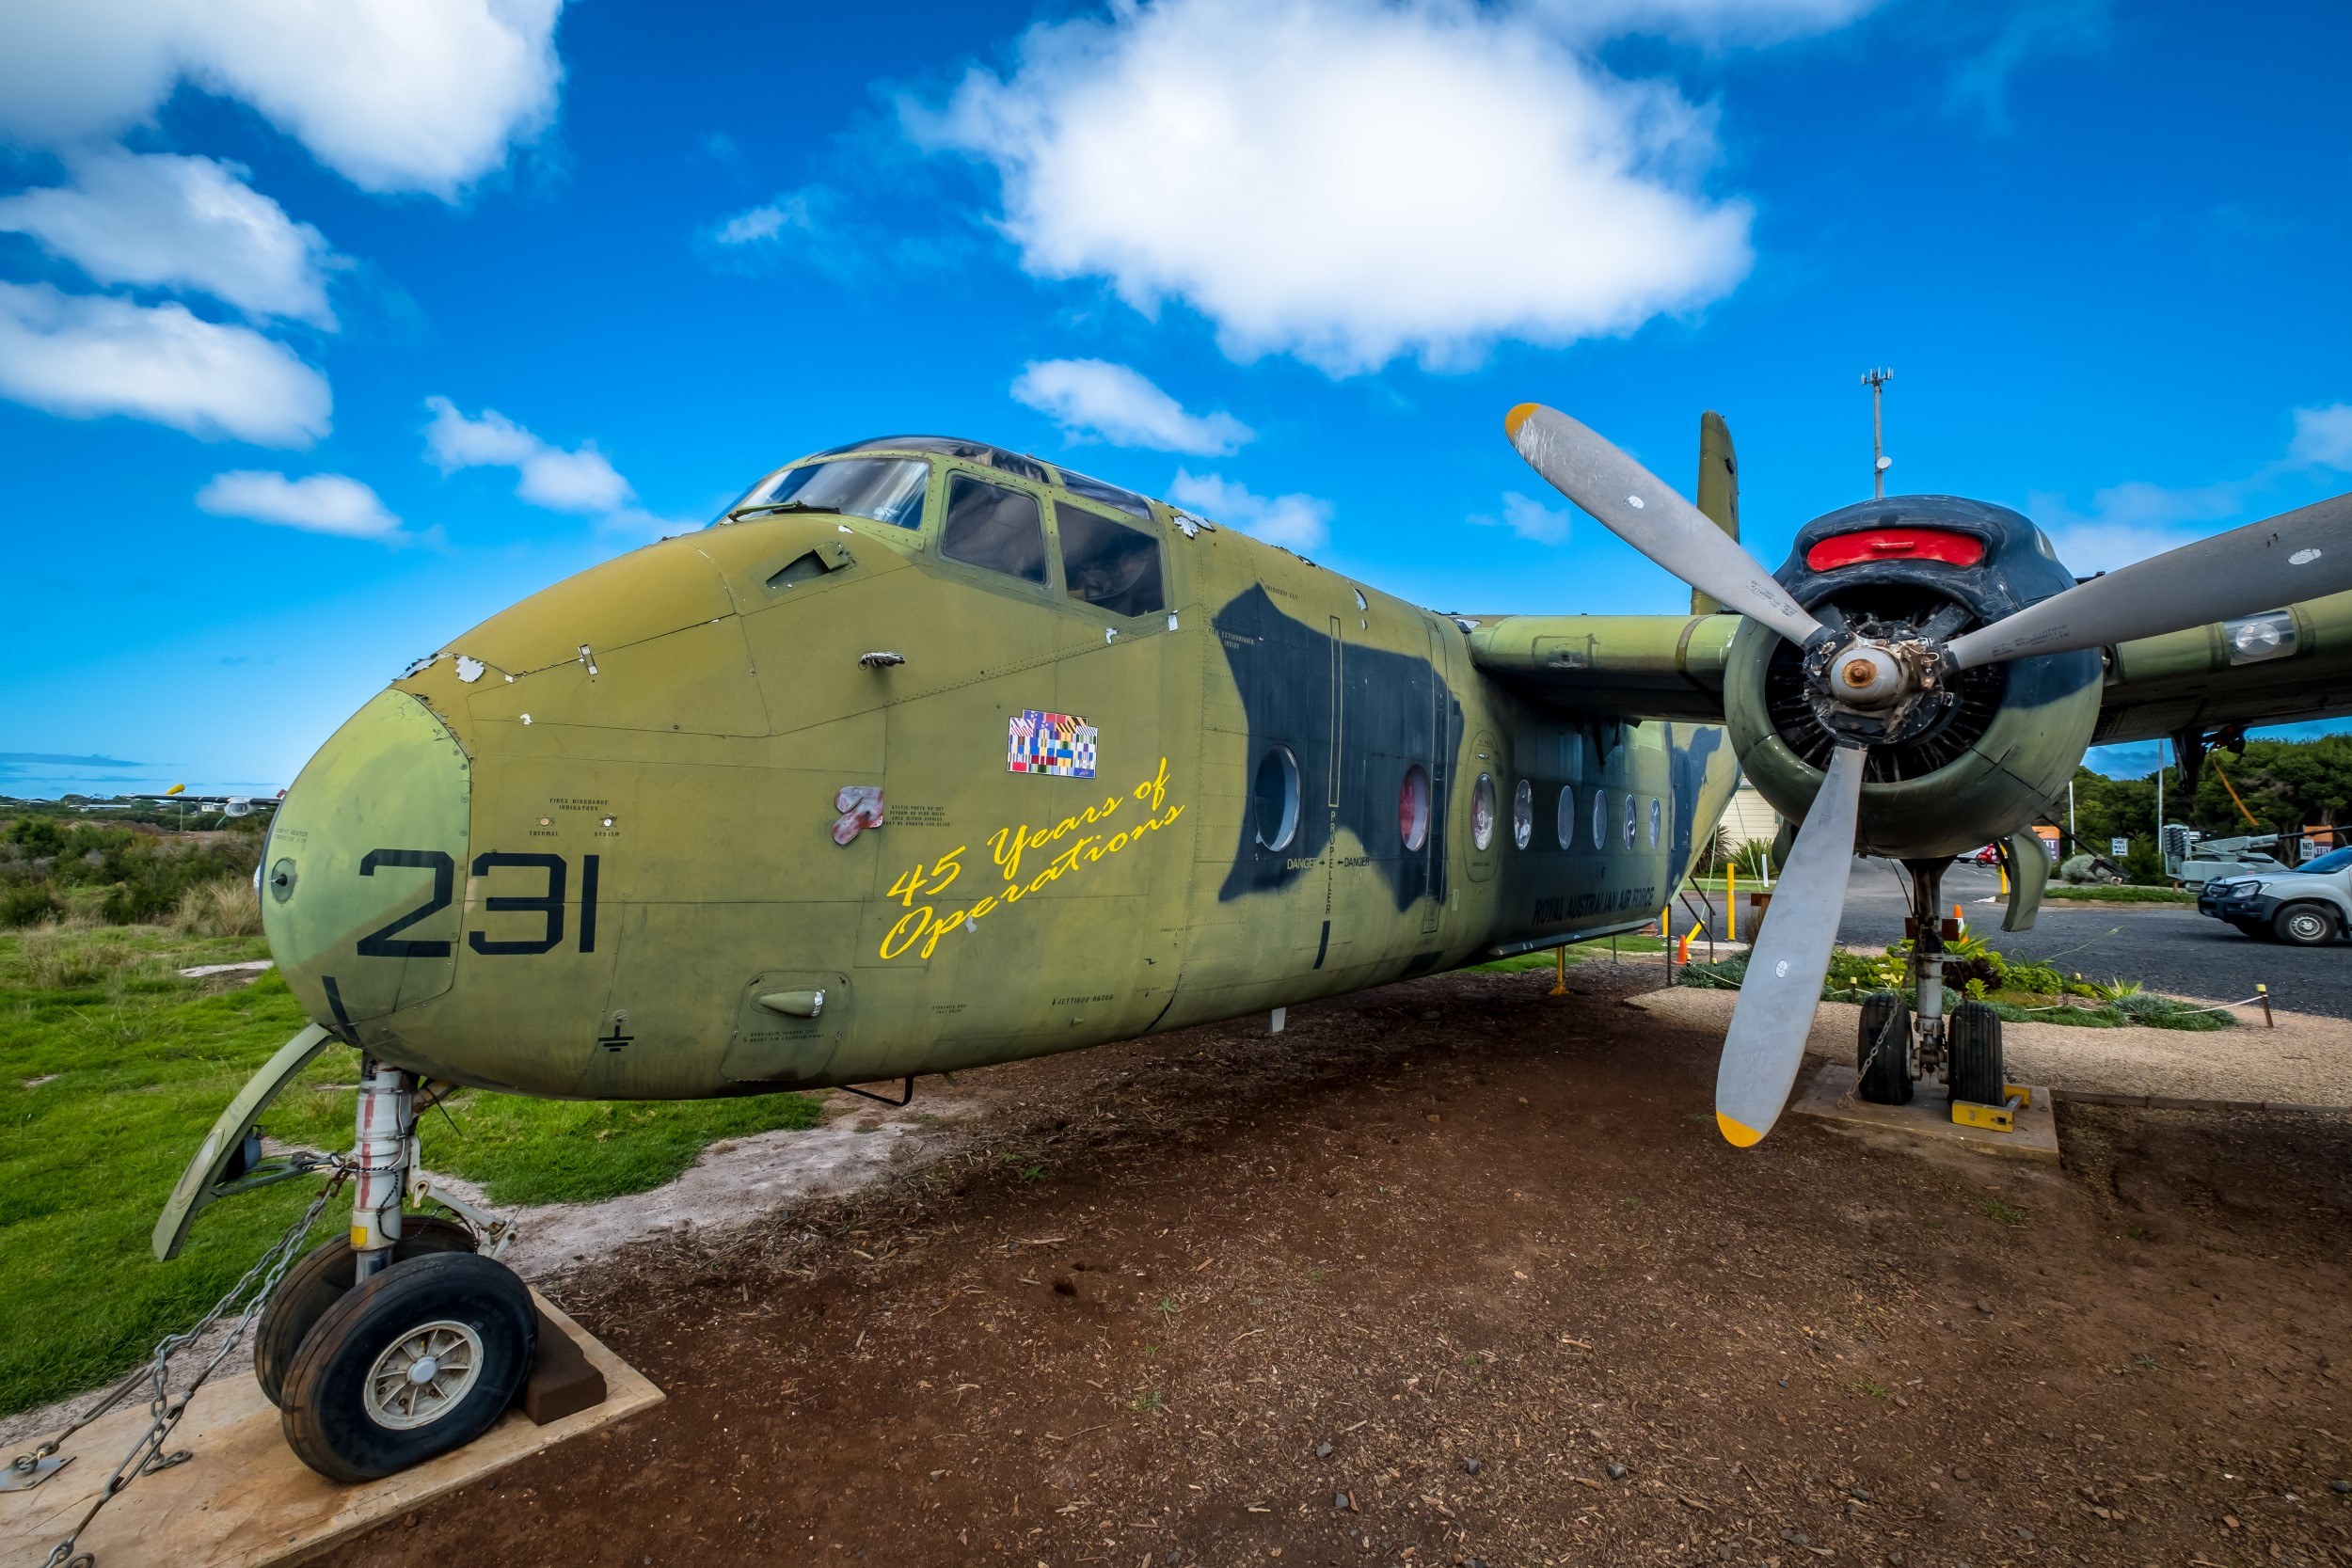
{"points": [[1719, 491]]}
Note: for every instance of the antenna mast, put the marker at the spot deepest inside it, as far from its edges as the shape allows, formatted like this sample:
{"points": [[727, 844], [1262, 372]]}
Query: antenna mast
{"points": [[1876, 380]]}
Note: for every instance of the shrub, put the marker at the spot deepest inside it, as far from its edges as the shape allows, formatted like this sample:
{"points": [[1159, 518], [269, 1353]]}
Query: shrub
{"points": [[27, 904], [226, 907]]}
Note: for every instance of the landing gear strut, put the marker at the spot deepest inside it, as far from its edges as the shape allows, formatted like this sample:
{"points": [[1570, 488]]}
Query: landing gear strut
{"points": [[398, 1342], [1962, 1044]]}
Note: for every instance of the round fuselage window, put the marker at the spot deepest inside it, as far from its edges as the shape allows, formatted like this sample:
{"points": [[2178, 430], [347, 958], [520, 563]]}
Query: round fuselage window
{"points": [[1483, 812], [1523, 813], [1275, 798], [1657, 818], [1628, 822], [1601, 820], [1568, 816], [1412, 807]]}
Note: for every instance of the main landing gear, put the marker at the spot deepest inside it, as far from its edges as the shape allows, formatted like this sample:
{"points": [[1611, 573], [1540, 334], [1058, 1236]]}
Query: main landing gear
{"points": [[398, 1342], [1962, 1044]]}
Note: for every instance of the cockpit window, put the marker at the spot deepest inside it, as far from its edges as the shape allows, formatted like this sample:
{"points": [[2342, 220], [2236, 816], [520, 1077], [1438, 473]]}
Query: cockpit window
{"points": [[888, 490], [949, 446], [991, 526], [1109, 495], [1109, 564]]}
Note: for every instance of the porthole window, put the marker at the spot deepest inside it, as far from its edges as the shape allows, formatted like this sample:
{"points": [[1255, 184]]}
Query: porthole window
{"points": [[1628, 822], [1523, 813], [1275, 799], [1656, 817], [1568, 816], [1601, 820], [1412, 807], [1483, 812]]}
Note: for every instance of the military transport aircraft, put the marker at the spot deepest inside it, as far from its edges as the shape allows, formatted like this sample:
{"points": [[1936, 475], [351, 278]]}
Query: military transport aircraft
{"points": [[928, 754]]}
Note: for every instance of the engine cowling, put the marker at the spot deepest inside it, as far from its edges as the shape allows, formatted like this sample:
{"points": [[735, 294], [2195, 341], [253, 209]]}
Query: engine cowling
{"points": [[1975, 758]]}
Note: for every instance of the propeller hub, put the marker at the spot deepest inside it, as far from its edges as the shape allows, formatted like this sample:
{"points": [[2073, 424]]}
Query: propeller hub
{"points": [[1868, 675]]}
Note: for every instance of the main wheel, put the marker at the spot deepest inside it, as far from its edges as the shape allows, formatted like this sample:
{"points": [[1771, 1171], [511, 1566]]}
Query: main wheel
{"points": [[322, 1277], [1884, 1051], [1973, 1038], [420, 1359], [2304, 925]]}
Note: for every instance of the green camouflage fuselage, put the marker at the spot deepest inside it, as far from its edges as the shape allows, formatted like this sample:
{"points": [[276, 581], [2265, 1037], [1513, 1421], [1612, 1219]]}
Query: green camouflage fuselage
{"points": [[570, 855]]}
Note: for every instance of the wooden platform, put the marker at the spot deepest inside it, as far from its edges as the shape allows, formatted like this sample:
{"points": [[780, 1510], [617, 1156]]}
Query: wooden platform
{"points": [[244, 1500], [1830, 1096]]}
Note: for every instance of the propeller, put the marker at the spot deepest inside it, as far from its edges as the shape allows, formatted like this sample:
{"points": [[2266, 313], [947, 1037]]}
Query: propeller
{"points": [[1782, 987], [2295, 556]]}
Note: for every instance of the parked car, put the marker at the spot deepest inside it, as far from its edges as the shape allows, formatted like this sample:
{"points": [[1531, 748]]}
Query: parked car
{"points": [[2307, 907]]}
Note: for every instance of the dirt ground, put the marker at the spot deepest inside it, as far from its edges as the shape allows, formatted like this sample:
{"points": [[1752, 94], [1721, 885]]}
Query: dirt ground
{"points": [[1457, 1273]]}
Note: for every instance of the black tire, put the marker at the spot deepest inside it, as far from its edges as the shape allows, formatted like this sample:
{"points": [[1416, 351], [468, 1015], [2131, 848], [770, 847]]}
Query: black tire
{"points": [[320, 1280], [475, 1312], [1973, 1043], [2304, 925], [1885, 1076]]}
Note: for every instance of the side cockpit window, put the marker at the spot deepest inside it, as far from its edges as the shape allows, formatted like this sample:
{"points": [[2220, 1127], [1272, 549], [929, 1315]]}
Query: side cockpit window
{"points": [[1109, 495], [991, 526], [1110, 566]]}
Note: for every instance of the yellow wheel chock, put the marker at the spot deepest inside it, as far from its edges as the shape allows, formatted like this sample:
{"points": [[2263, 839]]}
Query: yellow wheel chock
{"points": [[1994, 1118]]}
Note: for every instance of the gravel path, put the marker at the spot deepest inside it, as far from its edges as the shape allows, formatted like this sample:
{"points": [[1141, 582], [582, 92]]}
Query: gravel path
{"points": [[2307, 1060]]}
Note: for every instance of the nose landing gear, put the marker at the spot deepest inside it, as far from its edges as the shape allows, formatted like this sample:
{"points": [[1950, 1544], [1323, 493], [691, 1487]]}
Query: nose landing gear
{"points": [[398, 1342]]}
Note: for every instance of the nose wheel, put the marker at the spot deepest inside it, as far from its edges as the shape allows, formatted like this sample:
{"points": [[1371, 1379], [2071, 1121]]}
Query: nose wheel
{"points": [[419, 1358]]}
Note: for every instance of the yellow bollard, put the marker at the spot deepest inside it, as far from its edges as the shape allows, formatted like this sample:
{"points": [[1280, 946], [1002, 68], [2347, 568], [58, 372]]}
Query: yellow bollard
{"points": [[1560, 971], [2264, 992], [1731, 901]]}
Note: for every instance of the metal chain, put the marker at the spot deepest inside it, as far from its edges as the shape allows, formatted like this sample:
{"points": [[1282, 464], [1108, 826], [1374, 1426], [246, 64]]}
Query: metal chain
{"points": [[1886, 1031], [146, 1455]]}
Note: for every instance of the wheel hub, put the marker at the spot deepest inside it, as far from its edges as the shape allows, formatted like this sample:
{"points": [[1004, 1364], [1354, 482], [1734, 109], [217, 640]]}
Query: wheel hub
{"points": [[423, 1375]]}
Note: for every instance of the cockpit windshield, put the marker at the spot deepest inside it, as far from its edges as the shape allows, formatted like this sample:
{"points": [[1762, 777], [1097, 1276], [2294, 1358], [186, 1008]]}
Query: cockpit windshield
{"points": [[886, 489]]}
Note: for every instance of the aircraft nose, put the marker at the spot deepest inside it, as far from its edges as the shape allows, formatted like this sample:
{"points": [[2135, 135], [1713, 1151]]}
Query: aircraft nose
{"points": [[359, 880]]}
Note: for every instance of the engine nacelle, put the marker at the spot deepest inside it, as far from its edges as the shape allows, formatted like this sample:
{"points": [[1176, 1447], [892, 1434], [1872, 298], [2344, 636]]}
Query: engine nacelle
{"points": [[1956, 767]]}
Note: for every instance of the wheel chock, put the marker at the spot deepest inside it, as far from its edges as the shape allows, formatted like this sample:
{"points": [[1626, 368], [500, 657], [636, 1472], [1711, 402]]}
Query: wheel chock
{"points": [[1994, 1118]]}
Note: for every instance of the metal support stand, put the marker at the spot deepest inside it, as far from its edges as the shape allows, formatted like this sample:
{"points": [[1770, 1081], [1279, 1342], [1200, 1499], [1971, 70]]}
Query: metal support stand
{"points": [[1927, 964], [385, 1154]]}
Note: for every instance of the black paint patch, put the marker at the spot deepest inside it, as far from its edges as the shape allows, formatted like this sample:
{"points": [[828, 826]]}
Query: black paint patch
{"points": [[1395, 710]]}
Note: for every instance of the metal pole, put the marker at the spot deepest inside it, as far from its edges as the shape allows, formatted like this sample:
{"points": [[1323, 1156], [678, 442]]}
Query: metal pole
{"points": [[2070, 815], [1876, 380]]}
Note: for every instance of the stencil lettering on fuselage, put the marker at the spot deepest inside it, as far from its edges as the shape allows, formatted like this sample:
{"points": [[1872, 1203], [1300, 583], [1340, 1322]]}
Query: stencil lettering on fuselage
{"points": [[1395, 710]]}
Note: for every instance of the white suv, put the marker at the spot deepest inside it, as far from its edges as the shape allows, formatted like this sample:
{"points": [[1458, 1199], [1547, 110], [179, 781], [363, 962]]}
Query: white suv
{"points": [[2307, 907]]}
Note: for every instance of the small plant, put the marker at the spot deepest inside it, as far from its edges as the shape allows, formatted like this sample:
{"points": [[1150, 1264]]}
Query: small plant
{"points": [[1167, 1308], [1863, 1386], [1033, 1173], [2007, 1214], [1147, 1403]]}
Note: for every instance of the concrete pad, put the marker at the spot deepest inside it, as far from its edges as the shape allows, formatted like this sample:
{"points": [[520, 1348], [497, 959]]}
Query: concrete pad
{"points": [[1830, 1096], [244, 1500]]}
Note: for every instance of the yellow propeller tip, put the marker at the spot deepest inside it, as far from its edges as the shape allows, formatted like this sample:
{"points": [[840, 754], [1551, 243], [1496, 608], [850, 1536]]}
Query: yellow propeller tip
{"points": [[1736, 1134], [1517, 417]]}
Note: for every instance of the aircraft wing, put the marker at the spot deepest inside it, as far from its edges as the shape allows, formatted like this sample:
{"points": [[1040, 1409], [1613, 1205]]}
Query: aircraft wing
{"points": [[2278, 667], [1628, 667]]}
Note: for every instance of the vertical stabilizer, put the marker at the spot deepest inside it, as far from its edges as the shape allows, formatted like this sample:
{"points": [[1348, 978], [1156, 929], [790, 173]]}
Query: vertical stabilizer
{"points": [[1719, 491]]}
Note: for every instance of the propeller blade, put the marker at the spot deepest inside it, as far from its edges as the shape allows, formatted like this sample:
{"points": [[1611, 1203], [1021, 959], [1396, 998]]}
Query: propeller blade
{"points": [[1631, 502], [2267, 565], [1782, 987]]}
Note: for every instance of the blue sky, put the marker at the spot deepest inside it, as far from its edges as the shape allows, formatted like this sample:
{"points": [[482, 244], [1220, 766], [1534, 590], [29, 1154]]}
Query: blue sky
{"points": [[321, 340]]}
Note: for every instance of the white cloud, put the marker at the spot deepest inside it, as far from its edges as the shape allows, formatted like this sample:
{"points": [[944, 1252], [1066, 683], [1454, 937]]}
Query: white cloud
{"points": [[84, 356], [165, 221], [580, 479], [1350, 180], [2322, 437], [2131, 521], [317, 503], [1111, 403], [394, 95], [1294, 522], [765, 223], [1530, 519]]}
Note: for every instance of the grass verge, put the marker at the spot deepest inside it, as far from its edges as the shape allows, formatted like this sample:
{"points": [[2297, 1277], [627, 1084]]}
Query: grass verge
{"points": [[112, 1065], [2108, 893]]}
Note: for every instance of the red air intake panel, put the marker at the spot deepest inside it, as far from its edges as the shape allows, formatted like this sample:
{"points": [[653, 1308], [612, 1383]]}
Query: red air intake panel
{"points": [[1895, 544]]}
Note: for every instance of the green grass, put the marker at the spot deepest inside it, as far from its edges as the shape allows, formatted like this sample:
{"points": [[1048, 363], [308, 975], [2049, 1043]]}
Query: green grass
{"points": [[2101, 893], [1853, 976], [112, 1066]]}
